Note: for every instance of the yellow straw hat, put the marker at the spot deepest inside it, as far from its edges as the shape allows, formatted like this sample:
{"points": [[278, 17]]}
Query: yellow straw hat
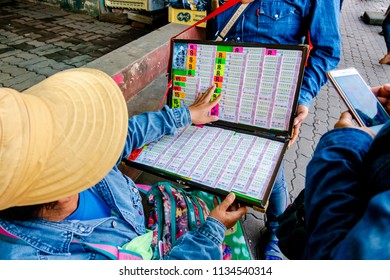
{"points": [[59, 137]]}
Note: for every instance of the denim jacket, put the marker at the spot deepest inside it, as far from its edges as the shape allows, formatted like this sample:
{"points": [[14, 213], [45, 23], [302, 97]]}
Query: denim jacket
{"points": [[47, 240], [347, 196], [288, 22]]}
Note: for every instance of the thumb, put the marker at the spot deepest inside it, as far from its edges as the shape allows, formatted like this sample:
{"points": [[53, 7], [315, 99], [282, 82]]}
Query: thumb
{"points": [[344, 121], [298, 119], [225, 204], [386, 87], [346, 116], [213, 118], [239, 212]]}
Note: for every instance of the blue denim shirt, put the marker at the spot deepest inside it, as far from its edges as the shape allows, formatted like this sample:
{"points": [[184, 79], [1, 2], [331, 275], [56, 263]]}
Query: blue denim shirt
{"points": [[42, 239], [288, 22], [347, 196]]}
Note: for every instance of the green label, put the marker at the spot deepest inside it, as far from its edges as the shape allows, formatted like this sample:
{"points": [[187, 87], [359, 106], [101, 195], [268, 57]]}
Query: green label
{"points": [[224, 48]]}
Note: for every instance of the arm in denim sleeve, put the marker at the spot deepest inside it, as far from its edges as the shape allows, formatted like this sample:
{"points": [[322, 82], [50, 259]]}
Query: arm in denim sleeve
{"points": [[370, 238], [325, 55], [202, 244], [334, 194], [148, 127]]}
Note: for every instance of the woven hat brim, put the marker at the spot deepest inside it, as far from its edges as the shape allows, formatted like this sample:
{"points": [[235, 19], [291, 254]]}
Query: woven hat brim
{"points": [[78, 127]]}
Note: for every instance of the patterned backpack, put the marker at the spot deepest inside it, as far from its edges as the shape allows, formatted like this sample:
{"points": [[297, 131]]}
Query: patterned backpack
{"points": [[174, 211]]}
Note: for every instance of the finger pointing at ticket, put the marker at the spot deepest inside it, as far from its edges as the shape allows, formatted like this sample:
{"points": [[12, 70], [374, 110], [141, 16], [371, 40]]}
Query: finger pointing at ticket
{"points": [[200, 109]]}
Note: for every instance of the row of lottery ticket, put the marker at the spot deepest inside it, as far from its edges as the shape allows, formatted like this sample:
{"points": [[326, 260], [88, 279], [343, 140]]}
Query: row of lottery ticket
{"points": [[257, 89], [217, 158]]}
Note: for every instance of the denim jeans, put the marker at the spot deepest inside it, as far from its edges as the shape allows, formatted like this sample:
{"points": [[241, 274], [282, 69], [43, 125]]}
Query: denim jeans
{"points": [[386, 31], [347, 196], [277, 202]]}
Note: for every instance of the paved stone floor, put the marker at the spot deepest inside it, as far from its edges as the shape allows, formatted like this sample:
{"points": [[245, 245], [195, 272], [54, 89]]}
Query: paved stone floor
{"points": [[38, 40]]}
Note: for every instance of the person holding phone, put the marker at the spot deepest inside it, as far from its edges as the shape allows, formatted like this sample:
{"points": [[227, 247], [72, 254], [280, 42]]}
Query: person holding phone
{"points": [[292, 23], [359, 98], [347, 191]]}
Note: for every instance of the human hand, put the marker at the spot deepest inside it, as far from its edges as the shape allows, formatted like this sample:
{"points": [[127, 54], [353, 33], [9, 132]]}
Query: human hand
{"points": [[200, 109], [346, 121], [227, 212], [302, 112], [383, 95]]}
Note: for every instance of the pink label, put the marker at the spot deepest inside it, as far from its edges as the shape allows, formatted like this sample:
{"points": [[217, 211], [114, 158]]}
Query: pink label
{"points": [[192, 47], [214, 111], [238, 49], [270, 52]]}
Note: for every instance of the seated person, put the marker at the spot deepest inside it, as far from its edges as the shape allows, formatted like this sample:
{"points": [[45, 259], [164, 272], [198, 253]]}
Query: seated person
{"points": [[347, 193], [60, 187]]}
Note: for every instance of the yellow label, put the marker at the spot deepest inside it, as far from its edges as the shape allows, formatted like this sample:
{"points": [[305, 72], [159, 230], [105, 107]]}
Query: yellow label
{"points": [[179, 94]]}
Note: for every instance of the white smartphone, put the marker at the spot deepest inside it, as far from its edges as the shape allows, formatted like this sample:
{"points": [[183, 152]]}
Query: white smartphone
{"points": [[359, 98]]}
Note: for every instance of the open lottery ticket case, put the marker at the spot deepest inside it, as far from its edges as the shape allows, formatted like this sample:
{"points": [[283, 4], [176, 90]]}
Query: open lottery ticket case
{"points": [[243, 150]]}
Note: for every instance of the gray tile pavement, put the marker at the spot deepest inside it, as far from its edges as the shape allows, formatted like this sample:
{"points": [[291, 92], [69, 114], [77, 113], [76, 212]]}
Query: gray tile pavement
{"points": [[38, 40], [28, 55]]}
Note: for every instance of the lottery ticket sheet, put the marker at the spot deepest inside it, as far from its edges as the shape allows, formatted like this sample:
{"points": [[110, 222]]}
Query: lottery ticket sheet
{"points": [[260, 86]]}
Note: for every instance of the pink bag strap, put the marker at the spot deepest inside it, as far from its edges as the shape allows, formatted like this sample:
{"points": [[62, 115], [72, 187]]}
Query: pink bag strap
{"points": [[143, 188], [111, 251], [6, 234]]}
